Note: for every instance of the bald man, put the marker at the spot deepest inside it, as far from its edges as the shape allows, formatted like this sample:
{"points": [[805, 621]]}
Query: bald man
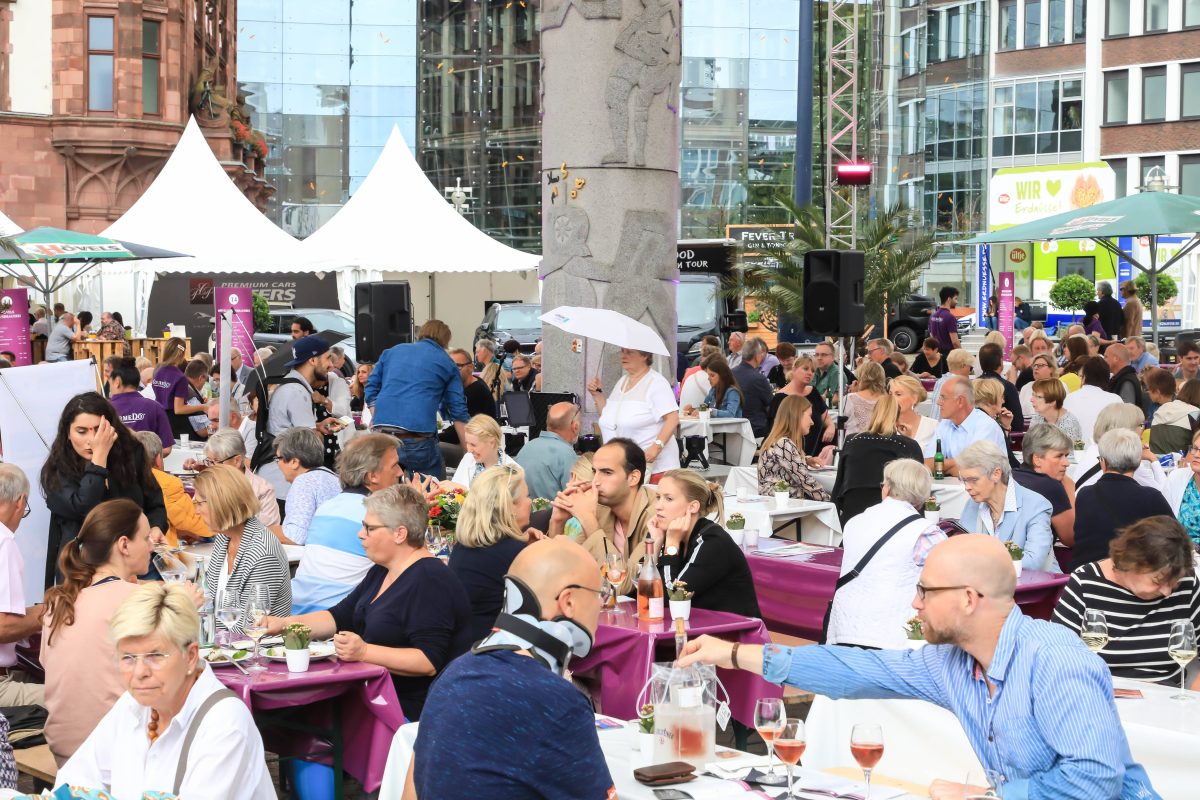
{"points": [[1124, 381], [1036, 706], [549, 459], [515, 726]]}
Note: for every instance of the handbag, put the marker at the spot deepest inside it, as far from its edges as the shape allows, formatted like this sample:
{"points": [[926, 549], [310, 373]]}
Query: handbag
{"points": [[861, 565]]}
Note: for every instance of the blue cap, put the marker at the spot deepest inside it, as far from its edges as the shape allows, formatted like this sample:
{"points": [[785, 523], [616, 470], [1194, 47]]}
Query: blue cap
{"points": [[306, 347]]}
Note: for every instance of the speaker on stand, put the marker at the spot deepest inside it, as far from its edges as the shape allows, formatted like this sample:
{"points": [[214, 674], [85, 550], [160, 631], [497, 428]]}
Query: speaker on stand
{"points": [[382, 317]]}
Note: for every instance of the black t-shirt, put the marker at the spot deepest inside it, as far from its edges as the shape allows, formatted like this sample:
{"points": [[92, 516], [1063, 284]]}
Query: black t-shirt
{"points": [[479, 401], [1046, 486], [481, 571], [890, 369], [1023, 377], [921, 365]]}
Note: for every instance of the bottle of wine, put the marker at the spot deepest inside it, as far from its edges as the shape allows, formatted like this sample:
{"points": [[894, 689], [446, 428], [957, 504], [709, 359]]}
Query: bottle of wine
{"points": [[649, 587], [939, 463]]}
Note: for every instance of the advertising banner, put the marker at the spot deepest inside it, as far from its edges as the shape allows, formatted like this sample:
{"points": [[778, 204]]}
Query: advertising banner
{"points": [[1007, 309], [235, 304], [1017, 195], [984, 282], [14, 325]]}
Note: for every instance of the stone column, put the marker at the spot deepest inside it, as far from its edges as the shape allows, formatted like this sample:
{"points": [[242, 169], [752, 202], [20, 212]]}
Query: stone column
{"points": [[610, 179]]}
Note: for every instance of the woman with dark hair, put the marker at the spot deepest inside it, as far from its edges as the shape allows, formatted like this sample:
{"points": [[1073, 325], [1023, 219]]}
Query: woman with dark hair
{"points": [[172, 390], [94, 458], [724, 397], [99, 570], [1092, 324]]}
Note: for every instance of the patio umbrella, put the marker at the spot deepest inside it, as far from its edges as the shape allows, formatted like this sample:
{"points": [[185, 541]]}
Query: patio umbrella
{"points": [[605, 325], [63, 256], [1150, 213]]}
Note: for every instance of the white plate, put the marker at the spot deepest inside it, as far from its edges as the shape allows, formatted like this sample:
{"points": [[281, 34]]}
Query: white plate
{"points": [[316, 652], [228, 652]]}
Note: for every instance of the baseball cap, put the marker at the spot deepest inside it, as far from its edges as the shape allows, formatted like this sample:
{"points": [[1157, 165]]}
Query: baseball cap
{"points": [[306, 347]]}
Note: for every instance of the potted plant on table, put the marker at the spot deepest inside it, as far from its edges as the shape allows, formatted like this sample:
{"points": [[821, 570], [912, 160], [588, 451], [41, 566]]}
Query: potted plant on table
{"points": [[705, 411], [735, 524], [645, 732], [914, 633], [933, 510], [680, 600], [782, 494], [1016, 552], [296, 638]]}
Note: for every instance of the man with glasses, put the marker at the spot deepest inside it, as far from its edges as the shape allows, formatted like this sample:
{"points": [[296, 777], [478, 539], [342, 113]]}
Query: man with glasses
{"points": [[1036, 706], [880, 351], [17, 621], [549, 459], [825, 378], [962, 423], [514, 723], [228, 447]]}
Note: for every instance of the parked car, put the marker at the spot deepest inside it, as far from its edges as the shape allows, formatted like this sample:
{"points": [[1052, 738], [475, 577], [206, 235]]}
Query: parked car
{"points": [[504, 321], [322, 319]]}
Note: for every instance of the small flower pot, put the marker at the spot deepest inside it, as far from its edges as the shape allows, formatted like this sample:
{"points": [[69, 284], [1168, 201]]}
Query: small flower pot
{"points": [[738, 536], [646, 746], [782, 499], [297, 660], [914, 644], [705, 415], [680, 609], [1017, 565], [933, 516], [750, 537]]}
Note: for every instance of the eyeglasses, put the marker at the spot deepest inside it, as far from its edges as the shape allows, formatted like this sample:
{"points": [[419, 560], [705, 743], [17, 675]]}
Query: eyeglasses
{"points": [[154, 661], [604, 592], [197, 502], [461, 364], [27, 511], [1194, 451], [370, 528], [924, 590]]}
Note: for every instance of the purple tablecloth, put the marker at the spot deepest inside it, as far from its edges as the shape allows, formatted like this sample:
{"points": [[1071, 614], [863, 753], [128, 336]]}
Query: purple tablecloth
{"points": [[370, 710], [793, 592], [624, 651]]}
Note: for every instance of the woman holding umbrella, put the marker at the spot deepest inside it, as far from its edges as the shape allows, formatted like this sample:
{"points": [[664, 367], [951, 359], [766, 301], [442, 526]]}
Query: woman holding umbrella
{"points": [[641, 407]]}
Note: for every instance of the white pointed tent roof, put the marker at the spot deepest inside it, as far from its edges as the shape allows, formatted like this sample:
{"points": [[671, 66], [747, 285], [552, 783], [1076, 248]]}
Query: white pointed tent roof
{"points": [[8, 227], [193, 207], [397, 220]]}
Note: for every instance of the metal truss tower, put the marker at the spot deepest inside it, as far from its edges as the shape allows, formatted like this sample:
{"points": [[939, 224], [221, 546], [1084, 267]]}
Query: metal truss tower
{"points": [[841, 120]]}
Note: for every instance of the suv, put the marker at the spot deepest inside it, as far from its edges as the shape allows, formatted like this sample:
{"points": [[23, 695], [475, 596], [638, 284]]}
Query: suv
{"points": [[323, 319], [504, 321]]}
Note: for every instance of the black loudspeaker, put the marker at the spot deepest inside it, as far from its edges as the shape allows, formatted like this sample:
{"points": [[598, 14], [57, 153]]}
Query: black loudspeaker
{"points": [[382, 317], [833, 292]]}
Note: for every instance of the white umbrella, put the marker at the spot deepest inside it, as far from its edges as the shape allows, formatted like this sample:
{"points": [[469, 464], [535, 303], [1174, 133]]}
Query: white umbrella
{"points": [[605, 325]]}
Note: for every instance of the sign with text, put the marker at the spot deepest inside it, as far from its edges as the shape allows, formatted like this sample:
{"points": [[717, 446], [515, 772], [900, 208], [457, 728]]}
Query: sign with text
{"points": [[710, 257], [14, 325], [761, 238], [235, 305], [1008, 283], [1017, 195], [984, 283]]}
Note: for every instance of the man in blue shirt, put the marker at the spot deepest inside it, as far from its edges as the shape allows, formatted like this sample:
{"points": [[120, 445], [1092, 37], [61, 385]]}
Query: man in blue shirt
{"points": [[408, 386], [962, 423], [1036, 706], [1140, 358], [502, 721], [549, 459]]}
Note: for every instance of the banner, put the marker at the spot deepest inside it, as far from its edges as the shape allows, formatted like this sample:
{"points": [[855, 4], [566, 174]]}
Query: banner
{"points": [[984, 283], [1025, 194], [14, 325], [1007, 307], [235, 304]]}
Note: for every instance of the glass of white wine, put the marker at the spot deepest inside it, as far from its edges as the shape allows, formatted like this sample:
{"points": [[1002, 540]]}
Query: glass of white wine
{"points": [[1094, 630], [1181, 647], [254, 621]]}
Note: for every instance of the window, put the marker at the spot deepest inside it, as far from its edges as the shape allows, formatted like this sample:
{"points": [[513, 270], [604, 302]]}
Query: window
{"points": [[1071, 116], [1189, 175], [1079, 23], [1116, 97], [956, 42], [933, 37], [1154, 94], [1116, 18], [1033, 23], [1077, 265], [1156, 16], [1191, 13], [100, 63], [151, 63], [1057, 27], [1120, 170], [1189, 80], [1036, 117], [1026, 119], [1008, 24], [1002, 121]]}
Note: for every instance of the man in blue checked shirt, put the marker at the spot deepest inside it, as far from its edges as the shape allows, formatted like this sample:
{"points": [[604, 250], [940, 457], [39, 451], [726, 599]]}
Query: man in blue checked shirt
{"points": [[1036, 706]]}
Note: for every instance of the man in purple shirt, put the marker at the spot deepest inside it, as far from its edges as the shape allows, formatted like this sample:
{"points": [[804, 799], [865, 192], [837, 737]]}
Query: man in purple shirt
{"points": [[139, 413], [943, 325]]}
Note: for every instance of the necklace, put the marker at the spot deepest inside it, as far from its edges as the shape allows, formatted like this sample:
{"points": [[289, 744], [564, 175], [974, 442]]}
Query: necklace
{"points": [[152, 726]]}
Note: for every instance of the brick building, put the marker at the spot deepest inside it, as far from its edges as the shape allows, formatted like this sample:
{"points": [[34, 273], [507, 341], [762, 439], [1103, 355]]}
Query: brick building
{"points": [[94, 95]]}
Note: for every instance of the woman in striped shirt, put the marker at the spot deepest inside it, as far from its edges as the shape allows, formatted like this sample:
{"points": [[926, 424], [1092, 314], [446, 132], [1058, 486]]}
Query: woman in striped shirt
{"points": [[1148, 582]]}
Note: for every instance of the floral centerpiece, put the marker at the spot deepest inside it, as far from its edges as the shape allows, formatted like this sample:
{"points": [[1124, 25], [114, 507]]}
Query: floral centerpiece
{"points": [[781, 486], [1016, 552], [735, 522], [444, 508], [296, 636], [646, 718], [540, 504]]}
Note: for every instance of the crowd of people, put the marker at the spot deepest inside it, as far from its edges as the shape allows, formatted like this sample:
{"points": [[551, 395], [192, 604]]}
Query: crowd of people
{"points": [[1080, 489]]}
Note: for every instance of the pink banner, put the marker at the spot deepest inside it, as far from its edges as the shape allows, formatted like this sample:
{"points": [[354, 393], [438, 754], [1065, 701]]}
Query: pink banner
{"points": [[14, 325], [1007, 309], [235, 304]]}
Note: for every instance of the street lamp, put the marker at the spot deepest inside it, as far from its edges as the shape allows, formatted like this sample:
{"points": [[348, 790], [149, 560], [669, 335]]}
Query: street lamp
{"points": [[1156, 181]]}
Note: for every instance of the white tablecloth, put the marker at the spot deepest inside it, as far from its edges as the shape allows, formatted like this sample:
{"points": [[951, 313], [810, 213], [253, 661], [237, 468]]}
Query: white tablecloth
{"points": [[173, 461], [736, 435], [925, 742], [818, 522]]}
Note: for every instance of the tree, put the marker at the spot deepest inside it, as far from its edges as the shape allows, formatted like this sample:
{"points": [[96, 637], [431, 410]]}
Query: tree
{"points": [[262, 313], [1167, 290], [894, 250], [1072, 292]]}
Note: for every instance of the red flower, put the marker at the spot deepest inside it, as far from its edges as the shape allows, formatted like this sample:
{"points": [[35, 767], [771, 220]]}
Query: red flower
{"points": [[435, 511]]}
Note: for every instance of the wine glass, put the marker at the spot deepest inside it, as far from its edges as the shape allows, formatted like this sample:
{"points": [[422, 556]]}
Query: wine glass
{"points": [[1094, 630], [615, 570], [789, 746], [229, 608], [254, 620], [769, 717], [866, 745], [434, 541], [1181, 647], [170, 567]]}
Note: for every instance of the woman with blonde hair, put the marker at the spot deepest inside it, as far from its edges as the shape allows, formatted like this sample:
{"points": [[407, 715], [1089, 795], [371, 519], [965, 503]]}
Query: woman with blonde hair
{"points": [[864, 455], [484, 445], [493, 527], [1046, 396], [908, 393], [871, 383], [698, 552], [799, 384], [1042, 368], [782, 455], [359, 385]]}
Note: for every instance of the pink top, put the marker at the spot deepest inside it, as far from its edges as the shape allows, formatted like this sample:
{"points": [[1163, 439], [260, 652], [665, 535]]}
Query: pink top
{"points": [[82, 679]]}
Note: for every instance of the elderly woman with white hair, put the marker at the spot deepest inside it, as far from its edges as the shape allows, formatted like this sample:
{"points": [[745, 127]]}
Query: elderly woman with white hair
{"points": [[1087, 469], [870, 609], [1046, 453], [1003, 508], [176, 729], [229, 448]]}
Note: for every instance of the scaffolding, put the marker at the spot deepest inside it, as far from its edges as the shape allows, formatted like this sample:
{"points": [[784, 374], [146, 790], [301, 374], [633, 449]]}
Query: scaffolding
{"points": [[841, 120]]}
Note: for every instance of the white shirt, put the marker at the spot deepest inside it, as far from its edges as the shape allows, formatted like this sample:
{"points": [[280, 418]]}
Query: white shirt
{"points": [[1148, 473], [12, 588], [926, 432], [694, 389], [468, 469], [637, 413], [226, 758], [1086, 404]]}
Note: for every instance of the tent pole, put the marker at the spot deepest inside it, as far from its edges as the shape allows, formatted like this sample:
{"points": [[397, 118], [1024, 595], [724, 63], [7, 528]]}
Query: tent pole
{"points": [[1154, 288]]}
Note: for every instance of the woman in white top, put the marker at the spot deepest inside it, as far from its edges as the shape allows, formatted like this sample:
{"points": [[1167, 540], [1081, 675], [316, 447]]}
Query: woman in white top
{"points": [[1044, 369], [871, 384], [641, 407], [871, 610], [909, 392], [484, 445], [172, 696]]}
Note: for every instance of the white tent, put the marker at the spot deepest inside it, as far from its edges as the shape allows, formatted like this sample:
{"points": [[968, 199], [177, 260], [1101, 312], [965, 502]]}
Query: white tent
{"points": [[8, 227], [398, 221]]}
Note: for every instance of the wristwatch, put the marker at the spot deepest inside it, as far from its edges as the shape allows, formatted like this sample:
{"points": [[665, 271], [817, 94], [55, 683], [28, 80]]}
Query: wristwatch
{"points": [[659, 442], [672, 551]]}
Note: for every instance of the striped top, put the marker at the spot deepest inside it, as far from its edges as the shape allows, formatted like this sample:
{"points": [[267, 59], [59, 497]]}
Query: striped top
{"points": [[1138, 629], [334, 560], [260, 559]]}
